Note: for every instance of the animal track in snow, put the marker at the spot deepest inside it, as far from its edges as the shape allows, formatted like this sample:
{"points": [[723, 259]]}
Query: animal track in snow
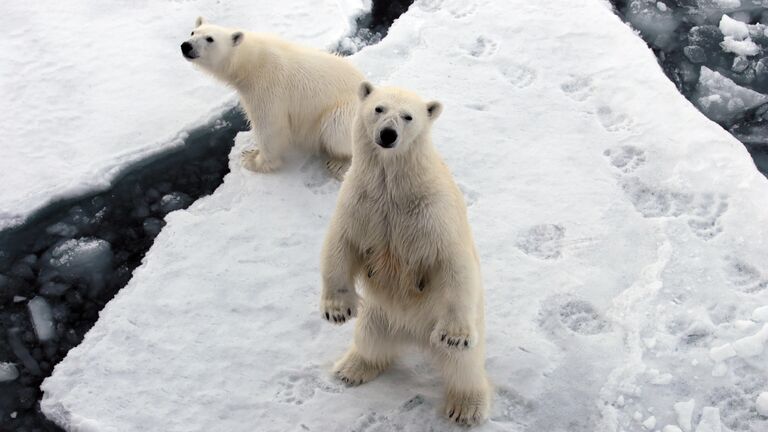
{"points": [[543, 241], [316, 177], [581, 317], [511, 407], [462, 9], [482, 47], [612, 121], [393, 421], [744, 276], [458, 8], [625, 158], [703, 211], [566, 312], [577, 88], [299, 386], [518, 75]]}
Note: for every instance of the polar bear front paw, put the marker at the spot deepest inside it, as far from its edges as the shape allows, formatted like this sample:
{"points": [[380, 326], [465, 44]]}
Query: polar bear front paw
{"points": [[339, 309], [254, 161], [453, 336]]}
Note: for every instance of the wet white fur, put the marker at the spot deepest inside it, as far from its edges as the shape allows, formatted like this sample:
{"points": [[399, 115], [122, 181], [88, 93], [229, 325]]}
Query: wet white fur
{"points": [[400, 230], [295, 97]]}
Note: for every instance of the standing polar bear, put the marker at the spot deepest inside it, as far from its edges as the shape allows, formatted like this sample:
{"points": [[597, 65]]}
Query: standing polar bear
{"points": [[294, 96], [400, 229]]}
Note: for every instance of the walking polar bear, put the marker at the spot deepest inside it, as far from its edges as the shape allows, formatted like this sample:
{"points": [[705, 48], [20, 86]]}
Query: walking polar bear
{"points": [[294, 96], [401, 230]]}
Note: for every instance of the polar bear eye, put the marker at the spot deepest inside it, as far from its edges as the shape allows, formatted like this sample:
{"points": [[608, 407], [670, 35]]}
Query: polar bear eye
{"points": [[407, 117], [379, 109], [209, 39], [192, 34]]}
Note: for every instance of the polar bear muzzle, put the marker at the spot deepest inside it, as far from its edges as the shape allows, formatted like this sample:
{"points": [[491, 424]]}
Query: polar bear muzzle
{"points": [[387, 138], [188, 51]]}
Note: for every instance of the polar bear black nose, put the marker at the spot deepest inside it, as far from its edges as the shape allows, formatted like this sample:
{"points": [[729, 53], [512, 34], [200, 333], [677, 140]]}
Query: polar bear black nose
{"points": [[387, 137], [186, 49]]}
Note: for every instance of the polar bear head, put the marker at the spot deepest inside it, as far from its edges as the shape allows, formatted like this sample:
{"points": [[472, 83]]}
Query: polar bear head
{"points": [[393, 119], [211, 46]]}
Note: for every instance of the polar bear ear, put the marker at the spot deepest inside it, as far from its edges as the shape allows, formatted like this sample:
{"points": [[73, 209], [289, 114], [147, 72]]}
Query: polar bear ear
{"points": [[199, 21], [237, 37], [434, 109], [366, 89]]}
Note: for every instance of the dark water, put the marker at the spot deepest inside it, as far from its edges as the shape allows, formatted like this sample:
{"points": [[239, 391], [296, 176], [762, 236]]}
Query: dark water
{"points": [[74, 256], [685, 36]]}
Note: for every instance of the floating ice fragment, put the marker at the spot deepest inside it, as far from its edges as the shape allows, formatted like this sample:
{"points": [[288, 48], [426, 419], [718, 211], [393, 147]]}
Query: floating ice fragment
{"points": [[735, 29], [650, 423], [745, 47], [85, 259], [41, 318], [684, 411], [8, 372], [729, 4], [671, 428], [721, 99]]}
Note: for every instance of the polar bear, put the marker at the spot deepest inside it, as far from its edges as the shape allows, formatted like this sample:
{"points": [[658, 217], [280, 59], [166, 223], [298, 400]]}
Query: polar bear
{"points": [[294, 96], [400, 230]]}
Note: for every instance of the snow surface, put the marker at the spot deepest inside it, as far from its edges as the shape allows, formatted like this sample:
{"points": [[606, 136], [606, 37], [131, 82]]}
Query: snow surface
{"points": [[88, 89], [622, 236]]}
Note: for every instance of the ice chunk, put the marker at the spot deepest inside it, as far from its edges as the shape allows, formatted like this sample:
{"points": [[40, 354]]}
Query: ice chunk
{"points": [[85, 259], [671, 428], [751, 346], [656, 24], [721, 99], [8, 372], [174, 201], [684, 411], [650, 423], [22, 353], [735, 29], [710, 420], [41, 318], [53, 289], [740, 47], [695, 54], [762, 404]]}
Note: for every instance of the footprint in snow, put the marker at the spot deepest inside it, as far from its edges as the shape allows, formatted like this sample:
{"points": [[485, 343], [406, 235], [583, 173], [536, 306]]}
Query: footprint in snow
{"points": [[613, 121], [625, 158], [518, 75], [482, 47], [299, 386], [543, 241], [316, 177], [578, 316], [744, 276], [578, 88]]}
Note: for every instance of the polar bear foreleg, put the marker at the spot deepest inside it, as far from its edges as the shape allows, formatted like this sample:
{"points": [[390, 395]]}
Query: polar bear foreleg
{"points": [[373, 349]]}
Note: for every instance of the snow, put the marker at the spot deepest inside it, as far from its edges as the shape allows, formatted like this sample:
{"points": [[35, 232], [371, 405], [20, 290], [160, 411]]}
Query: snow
{"points": [[42, 319], [606, 209], [720, 99], [762, 404], [86, 95]]}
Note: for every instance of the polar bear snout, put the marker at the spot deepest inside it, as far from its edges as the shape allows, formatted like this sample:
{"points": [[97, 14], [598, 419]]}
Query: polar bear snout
{"points": [[387, 138], [188, 51]]}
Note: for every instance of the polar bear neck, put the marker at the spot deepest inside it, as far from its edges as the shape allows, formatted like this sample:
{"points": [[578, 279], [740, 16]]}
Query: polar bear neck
{"points": [[246, 68]]}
